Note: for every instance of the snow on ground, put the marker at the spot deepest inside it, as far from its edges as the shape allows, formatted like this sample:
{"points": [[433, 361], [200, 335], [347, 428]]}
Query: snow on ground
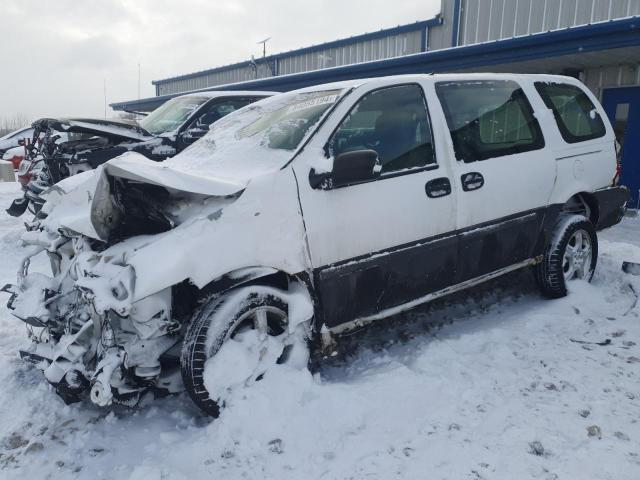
{"points": [[493, 384]]}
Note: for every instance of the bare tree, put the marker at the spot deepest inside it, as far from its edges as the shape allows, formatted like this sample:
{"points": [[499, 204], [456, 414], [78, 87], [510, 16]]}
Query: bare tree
{"points": [[14, 122]]}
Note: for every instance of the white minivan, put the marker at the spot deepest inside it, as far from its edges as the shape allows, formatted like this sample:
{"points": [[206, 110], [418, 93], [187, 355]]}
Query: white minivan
{"points": [[308, 214]]}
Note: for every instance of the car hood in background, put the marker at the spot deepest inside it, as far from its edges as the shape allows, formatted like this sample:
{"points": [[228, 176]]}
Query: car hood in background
{"points": [[108, 128]]}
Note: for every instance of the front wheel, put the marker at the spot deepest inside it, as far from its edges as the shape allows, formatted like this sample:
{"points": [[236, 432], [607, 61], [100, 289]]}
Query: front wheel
{"points": [[235, 340], [571, 254]]}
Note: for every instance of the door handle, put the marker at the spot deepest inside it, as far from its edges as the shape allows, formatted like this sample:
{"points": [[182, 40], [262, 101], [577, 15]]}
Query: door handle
{"points": [[438, 187], [472, 181]]}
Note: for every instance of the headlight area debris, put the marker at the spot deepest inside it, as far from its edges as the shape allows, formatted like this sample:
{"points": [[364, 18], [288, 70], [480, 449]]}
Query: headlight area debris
{"points": [[85, 331]]}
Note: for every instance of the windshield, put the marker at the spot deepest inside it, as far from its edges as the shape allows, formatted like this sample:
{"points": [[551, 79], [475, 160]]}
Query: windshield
{"points": [[171, 115], [258, 138]]}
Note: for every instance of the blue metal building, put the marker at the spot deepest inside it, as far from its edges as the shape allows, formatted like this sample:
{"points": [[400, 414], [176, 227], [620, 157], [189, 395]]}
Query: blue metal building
{"points": [[597, 41]]}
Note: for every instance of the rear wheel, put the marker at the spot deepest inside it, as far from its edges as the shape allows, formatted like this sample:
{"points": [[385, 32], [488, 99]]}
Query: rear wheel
{"points": [[572, 254], [238, 338]]}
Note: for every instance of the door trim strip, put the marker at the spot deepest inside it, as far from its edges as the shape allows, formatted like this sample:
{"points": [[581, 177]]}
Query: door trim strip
{"points": [[579, 155]]}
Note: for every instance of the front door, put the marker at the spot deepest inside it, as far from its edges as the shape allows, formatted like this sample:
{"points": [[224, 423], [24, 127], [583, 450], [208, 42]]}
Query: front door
{"points": [[622, 106], [380, 243]]}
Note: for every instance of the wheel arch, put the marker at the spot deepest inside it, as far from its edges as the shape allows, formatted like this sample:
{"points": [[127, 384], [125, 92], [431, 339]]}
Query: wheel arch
{"points": [[299, 285], [586, 203], [256, 275]]}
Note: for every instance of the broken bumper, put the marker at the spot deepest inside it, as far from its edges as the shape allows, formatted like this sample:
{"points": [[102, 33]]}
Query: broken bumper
{"points": [[73, 340]]}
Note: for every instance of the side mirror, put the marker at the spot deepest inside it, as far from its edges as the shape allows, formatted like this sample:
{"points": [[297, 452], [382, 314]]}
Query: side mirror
{"points": [[348, 168], [356, 166]]}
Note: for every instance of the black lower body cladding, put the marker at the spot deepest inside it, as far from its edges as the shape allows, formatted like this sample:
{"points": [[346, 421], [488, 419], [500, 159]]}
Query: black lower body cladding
{"points": [[611, 205], [361, 287]]}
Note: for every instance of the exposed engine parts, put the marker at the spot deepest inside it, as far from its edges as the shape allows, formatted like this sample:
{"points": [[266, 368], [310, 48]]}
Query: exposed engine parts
{"points": [[86, 334]]}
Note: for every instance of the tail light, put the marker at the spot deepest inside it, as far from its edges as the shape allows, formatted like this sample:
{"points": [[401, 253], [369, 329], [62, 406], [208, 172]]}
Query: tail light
{"points": [[618, 172]]}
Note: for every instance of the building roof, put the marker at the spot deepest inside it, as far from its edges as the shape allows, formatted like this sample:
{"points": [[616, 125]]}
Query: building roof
{"points": [[314, 48], [573, 44]]}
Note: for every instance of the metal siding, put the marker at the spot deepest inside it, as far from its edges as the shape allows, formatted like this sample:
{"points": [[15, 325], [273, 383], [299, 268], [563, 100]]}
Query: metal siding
{"points": [[601, 10], [404, 40], [480, 21], [358, 52], [470, 15], [619, 9], [497, 10], [440, 37], [567, 13], [599, 78], [537, 18], [628, 74], [462, 31], [552, 15], [484, 20], [522, 18], [508, 21], [583, 16], [603, 40]]}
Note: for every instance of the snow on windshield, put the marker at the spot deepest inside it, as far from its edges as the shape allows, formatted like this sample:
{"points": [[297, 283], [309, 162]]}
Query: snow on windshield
{"points": [[171, 115], [258, 138]]}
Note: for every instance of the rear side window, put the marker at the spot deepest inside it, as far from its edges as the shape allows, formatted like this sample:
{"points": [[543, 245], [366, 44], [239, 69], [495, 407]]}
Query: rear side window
{"points": [[392, 121], [576, 116], [488, 118]]}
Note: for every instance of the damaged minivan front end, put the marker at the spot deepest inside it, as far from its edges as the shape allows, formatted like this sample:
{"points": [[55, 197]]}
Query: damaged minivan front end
{"points": [[88, 332]]}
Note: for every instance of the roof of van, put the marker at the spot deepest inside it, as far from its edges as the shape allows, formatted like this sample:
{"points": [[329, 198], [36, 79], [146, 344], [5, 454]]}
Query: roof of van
{"points": [[229, 93], [436, 77]]}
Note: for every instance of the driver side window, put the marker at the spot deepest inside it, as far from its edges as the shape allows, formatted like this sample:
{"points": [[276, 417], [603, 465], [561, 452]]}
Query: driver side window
{"points": [[392, 121]]}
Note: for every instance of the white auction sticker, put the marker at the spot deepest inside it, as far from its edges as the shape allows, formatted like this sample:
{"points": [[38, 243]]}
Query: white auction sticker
{"points": [[314, 102]]}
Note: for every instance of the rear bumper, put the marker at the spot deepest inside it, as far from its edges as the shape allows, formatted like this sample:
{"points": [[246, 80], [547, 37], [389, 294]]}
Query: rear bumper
{"points": [[612, 203]]}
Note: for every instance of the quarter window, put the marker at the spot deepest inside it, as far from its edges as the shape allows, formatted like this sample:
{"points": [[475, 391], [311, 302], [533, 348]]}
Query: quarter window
{"points": [[392, 121], [576, 116], [488, 119]]}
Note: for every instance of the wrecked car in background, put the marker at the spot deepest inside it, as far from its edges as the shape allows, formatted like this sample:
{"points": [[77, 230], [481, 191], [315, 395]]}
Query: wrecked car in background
{"points": [[63, 147], [305, 216], [12, 145]]}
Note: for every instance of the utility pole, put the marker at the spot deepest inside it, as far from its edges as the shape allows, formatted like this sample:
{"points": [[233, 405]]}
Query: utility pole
{"points": [[138, 86], [104, 89], [264, 46], [138, 82]]}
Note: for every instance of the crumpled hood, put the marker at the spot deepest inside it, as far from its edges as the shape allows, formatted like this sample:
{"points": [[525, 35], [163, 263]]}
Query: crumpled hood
{"points": [[105, 128], [84, 204]]}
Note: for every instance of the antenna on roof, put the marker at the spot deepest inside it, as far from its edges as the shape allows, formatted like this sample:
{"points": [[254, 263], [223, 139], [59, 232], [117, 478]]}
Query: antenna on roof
{"points": [[264, 46]]}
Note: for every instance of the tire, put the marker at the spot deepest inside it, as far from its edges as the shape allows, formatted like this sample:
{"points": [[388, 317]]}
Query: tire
{"points": [[560, 264], [221, 321]]}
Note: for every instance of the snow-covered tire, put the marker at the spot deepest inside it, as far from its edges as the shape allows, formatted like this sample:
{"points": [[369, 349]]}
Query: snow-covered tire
{"points": [[217, 323], [571, 253]]}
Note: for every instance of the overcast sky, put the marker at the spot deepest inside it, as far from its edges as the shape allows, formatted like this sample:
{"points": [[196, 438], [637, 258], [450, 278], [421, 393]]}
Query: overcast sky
{"points": [[56, 55]]}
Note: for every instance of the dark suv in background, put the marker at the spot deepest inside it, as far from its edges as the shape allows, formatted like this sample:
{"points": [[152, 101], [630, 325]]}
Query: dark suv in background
{"points": [[62, 147]]}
